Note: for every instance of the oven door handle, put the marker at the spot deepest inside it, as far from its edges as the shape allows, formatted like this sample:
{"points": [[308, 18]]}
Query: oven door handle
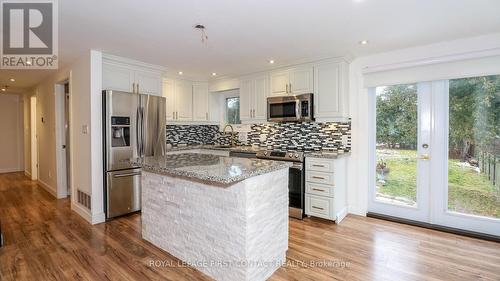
{"points": [[297, 166]]}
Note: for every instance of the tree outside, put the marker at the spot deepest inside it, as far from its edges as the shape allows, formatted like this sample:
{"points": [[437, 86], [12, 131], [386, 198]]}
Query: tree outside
{"points": [[474, 145]]}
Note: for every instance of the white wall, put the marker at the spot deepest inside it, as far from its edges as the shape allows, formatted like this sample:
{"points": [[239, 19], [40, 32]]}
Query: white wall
{"points": [[362, 112], [11, 128], [84, 76]]}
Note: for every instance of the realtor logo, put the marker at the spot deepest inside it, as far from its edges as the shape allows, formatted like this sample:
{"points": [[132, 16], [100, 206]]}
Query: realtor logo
{"points": [[29, 34]]}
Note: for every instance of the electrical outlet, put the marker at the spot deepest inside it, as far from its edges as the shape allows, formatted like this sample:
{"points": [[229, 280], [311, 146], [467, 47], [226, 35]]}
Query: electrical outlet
{"points": [[242, 136], [345, 139], [85, 129]]}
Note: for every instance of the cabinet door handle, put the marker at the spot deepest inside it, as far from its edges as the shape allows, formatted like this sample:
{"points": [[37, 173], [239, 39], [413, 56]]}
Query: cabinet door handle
{"points": [[287, 88], [137, 87], [319, 208], [177, 115], [206, 115], [316, 165], [290, 88], [317, 189], [316, 177], [133, 87], [253, 113]]}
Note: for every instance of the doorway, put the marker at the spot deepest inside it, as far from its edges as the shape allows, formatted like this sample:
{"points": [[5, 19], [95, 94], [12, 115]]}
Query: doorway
{"points": [[34, 138], [436, 153], [63, 140]]}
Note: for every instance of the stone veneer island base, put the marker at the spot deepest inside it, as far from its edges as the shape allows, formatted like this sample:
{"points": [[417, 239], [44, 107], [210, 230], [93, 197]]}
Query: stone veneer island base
{"points": [[234, 232]]}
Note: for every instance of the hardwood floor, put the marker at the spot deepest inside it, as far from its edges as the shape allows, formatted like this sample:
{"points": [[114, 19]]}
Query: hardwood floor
{"points": [[46, 241]]}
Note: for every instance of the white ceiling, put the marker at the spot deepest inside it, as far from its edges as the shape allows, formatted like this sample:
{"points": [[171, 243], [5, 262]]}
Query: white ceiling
{"points": [[243, 35]]}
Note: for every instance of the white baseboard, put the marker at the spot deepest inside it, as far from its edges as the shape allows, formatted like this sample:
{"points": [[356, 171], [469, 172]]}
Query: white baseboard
{"points": [[98, 218], [82, 212], [10, 170], [341, 215], [48, 188]]}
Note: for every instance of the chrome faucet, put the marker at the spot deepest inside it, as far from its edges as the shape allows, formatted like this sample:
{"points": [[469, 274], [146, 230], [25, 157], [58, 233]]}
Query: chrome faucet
{"points": [[232, 132]]}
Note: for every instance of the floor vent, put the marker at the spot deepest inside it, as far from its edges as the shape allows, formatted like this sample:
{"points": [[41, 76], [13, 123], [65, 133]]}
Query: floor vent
{"points": [[84, 199]]}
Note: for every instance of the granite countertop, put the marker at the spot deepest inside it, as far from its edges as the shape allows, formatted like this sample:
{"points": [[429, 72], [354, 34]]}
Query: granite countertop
{"points": [[329, 154], [214, 169], [239, 148]]}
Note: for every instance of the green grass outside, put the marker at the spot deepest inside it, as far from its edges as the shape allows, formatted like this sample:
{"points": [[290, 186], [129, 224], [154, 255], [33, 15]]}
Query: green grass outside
{"points": [[469, 191]]}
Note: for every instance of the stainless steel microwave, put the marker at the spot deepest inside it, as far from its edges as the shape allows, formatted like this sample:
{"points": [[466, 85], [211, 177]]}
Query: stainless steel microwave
{"points": [[290, 108]]}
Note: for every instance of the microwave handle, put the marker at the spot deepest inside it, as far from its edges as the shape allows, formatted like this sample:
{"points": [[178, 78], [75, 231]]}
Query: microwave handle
{"points": [[298, 110]]}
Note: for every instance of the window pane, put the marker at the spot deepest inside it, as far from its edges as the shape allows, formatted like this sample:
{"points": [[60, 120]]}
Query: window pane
{"points": [[233, 111], [474, 146], [396, 151]]}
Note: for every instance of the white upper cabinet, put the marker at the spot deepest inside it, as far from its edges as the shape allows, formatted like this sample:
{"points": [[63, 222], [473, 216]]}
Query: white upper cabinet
{"points": [[331, 97], [148, 82], [301, 80], [279, 83], [121, 74], [169, 94], [254, 91], [293, 81], [200, 102], [179, 95], [184, 96], [260, 97], [117, 78], [246, 92]]}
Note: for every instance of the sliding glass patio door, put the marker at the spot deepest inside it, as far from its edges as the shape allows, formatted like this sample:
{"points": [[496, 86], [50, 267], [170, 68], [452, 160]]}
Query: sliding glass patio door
{"points": [[401, 148], [436, 153]]}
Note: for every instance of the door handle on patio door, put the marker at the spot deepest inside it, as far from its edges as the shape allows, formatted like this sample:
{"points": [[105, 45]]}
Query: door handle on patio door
{"points": [[424, 157]]}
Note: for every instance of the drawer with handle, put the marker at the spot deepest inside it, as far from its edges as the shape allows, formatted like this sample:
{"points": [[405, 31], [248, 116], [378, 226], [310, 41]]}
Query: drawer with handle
{"points": [[319, 206], [319, 189], [319, 177], [319, 165]]}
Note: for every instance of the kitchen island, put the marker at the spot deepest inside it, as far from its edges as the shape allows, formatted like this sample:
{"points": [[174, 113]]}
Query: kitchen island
{"points": [[225, 216]]}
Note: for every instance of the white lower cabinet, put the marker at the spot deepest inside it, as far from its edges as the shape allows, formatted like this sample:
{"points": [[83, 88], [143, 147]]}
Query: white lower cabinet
{"points": [[325, 188]]}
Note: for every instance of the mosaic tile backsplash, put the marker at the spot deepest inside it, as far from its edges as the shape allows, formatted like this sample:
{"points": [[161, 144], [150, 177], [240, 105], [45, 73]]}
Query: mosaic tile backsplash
{"points": [[306, 136]]}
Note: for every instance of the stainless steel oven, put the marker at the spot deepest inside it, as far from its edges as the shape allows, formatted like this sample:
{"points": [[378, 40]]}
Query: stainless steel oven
{"points": [[290, 108], [295, 179]]}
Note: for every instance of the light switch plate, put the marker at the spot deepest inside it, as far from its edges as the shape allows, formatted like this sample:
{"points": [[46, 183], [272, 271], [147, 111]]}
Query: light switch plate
{"points": [[85, 129]]}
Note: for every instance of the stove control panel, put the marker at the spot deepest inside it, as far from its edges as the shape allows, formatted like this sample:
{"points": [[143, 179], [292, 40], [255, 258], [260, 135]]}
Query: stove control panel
{"points": [[281, 155]]}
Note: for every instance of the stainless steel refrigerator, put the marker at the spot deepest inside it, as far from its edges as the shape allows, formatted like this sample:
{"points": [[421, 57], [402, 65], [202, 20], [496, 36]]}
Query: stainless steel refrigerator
{"points": [[133, 126]]}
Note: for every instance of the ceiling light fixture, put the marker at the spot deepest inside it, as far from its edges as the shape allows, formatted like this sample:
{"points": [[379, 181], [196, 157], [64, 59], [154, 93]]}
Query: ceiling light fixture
{"points": [[12, 80], [3, 90], [214, 74], [180, 72], [271, 61], [204, 36], [364, 42], [28, 63]]}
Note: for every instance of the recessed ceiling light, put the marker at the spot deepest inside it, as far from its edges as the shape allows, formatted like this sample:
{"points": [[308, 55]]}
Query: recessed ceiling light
{"points": [[271, 61], [364, 42], [180, 72], [214, 74], [3, 90], [28, 63], [12, 80]]}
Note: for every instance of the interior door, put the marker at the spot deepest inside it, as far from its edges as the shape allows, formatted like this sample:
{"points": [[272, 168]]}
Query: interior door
{"points": [[401, 148]]}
